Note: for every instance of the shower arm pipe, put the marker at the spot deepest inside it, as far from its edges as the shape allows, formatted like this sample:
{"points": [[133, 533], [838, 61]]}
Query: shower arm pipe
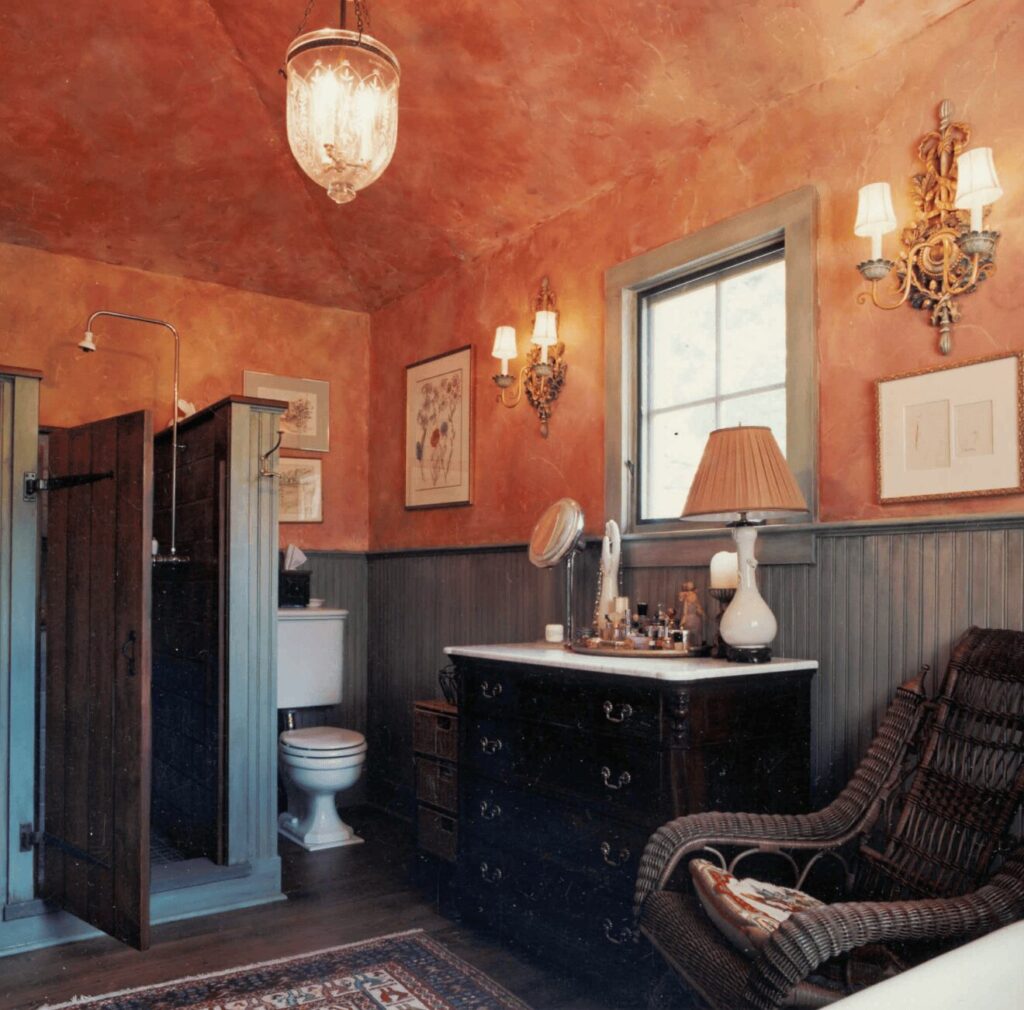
{"points": [[174, 415]]}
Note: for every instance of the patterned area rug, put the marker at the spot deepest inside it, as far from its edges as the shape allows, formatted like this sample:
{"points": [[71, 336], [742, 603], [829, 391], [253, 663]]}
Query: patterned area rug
{"points": [[405, 971]]}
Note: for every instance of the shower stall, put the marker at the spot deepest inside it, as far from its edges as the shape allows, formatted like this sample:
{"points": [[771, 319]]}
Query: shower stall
{"points": [[142, 685]]}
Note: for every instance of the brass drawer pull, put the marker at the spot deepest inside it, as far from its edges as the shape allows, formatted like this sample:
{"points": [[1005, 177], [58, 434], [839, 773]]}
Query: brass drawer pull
{"points": [[490, 874], [623, 780], [624, 934], [619, 860], [489, 746], [489, 811], [488, 691], [625, 711]]}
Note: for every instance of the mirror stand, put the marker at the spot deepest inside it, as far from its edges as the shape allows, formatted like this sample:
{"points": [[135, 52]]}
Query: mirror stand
{"points": [[570, 593], [559, 534]]}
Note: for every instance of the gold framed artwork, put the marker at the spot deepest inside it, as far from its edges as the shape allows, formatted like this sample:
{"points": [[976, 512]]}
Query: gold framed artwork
{"points": [[953, 431], [306, 422], [300, 490], [438, 436]]}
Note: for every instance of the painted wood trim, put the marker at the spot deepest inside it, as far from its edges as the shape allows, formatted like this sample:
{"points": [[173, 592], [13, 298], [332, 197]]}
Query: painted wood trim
{"points": [[793, 215], [204, 413], [251, 635], [13, 371], [19, 434], [776, 545]]}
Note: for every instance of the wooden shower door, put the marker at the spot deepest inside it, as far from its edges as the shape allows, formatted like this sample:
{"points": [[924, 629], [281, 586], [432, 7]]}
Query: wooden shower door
{"points": [[97, 746]]}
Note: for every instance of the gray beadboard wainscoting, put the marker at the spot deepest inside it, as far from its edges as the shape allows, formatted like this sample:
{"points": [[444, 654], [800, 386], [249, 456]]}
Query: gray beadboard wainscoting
{"points": [[872, 603]]}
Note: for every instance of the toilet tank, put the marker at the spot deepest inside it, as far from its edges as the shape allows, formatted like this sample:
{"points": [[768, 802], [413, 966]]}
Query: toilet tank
{"points": [[310, 656]]}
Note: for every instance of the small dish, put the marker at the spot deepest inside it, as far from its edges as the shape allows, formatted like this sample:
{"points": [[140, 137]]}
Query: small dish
{"points": [[315, 604]]}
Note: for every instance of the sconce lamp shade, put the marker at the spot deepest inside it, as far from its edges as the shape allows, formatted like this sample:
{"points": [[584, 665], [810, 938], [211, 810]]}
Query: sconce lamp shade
{"points": [[875, 216], [504, 343], [545, 328], [743, 471], [977, 184]]}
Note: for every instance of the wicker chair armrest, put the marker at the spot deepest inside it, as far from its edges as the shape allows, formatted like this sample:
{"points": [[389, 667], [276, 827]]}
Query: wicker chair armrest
{"points": [[852, 809], [673, 841], [808, 939]]}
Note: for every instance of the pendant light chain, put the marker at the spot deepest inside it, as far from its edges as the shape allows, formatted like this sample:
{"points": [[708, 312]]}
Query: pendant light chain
{"points": [[305, 17], [362, 16]]}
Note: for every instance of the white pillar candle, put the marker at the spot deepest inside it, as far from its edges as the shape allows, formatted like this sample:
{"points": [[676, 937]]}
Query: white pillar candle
{"points": [[725, 570]]}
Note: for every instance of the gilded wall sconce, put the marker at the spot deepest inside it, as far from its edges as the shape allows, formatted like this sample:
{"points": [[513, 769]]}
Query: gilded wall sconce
{"points": [[543, 375], [945, 252]]}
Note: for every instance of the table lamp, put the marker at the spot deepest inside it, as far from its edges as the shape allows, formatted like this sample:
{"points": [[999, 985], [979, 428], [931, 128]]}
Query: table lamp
{"points": [[743, 476]]}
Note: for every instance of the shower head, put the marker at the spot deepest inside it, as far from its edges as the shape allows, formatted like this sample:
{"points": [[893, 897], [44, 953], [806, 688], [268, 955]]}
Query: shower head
{"points": [[87, 344]]}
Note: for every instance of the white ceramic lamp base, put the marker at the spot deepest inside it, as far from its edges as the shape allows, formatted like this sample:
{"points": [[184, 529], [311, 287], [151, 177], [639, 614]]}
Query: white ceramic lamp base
{"points": [[748, 624]]}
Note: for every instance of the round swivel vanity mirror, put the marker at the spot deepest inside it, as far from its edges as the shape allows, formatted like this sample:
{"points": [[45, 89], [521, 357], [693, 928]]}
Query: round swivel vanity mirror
{"points": [[559, 534]]}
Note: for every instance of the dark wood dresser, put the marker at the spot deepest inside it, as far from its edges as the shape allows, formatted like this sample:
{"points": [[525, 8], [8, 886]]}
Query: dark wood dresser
{"points": [[565, 769]]}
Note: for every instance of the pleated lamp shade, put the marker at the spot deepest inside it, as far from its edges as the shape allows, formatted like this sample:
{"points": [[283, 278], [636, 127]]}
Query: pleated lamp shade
{"points": [[743, 471]]}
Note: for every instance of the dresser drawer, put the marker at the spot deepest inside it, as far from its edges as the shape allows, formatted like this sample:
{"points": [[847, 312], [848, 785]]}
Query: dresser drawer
{"points": [[524, 896], [496, 748], [437, 783], [489, 691], [435, 731], [555, 696], [618, 776], [591, 942], [536, 827], [616, 710]]}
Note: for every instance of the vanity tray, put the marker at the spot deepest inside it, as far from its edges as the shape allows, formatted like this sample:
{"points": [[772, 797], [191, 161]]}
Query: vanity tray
{"points": [[702, 651]]}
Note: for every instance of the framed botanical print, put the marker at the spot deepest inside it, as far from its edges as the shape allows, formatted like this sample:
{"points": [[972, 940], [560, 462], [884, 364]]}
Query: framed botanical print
{"points": [[306, 422], [300, 490], [952, 431], [438, 439]]}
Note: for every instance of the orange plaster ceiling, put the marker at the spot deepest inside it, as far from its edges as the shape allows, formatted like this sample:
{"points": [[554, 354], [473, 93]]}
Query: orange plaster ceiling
{"points": [[151, 133]]}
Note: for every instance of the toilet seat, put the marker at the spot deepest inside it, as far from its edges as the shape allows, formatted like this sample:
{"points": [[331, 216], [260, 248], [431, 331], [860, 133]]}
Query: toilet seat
{"points": [[322, 742]]}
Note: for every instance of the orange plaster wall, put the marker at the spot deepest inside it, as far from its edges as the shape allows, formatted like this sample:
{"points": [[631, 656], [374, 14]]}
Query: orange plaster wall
{"points": [[45, 300], [860, 126]]}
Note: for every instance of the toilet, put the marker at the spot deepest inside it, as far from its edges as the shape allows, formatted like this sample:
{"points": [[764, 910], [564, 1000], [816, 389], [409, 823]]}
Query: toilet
{"points": [[319, 762]]}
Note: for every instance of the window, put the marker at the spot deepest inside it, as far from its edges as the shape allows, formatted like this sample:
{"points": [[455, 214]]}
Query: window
{"points": [[712, 330], [712, 354]]}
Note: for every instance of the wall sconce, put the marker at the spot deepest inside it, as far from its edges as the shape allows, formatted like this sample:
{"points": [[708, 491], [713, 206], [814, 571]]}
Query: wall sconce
{"points": [[945, 253], [543, 375]]}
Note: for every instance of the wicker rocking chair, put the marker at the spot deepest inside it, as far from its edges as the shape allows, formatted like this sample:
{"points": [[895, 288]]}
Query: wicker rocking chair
{"points": [[919, 836]]}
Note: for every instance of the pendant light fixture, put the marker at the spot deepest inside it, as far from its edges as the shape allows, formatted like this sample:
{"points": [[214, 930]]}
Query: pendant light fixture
{"points": [[342, 104]]}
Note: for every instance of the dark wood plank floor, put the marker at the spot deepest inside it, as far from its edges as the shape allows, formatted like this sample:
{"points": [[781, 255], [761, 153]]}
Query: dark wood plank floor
{"points": [[338, 896]]}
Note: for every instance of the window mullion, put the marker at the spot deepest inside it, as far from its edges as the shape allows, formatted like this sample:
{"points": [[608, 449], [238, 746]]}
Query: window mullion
{"points": [[718, 354]]}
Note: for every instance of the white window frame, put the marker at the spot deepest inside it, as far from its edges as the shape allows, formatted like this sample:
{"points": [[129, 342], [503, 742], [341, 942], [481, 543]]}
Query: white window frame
{"points": [[792, 217]]}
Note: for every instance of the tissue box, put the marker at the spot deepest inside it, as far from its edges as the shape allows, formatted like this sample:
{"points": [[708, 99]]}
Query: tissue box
{"points": [[292, 589]]}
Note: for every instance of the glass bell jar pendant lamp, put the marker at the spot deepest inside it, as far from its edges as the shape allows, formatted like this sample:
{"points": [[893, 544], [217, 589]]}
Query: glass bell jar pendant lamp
{"points": [[342, 105]]}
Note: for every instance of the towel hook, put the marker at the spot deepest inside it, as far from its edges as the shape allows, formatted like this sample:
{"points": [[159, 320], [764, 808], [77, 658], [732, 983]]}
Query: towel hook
{"points": [[265, 470]]}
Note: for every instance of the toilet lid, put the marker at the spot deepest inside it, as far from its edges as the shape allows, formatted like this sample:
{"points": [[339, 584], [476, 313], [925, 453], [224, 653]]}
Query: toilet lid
{"points": [[321, 739]]}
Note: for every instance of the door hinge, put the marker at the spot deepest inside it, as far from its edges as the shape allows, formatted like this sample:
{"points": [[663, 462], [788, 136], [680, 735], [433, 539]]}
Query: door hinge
{"points": [[28, 837], [34, 483]]}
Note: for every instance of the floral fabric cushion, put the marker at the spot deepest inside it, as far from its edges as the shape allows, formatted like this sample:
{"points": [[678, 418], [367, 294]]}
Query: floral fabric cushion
{"points": [[746, 911]]}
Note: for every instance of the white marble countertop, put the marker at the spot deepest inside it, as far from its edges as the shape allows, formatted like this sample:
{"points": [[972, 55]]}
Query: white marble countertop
{"points": [[681, 669]]}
